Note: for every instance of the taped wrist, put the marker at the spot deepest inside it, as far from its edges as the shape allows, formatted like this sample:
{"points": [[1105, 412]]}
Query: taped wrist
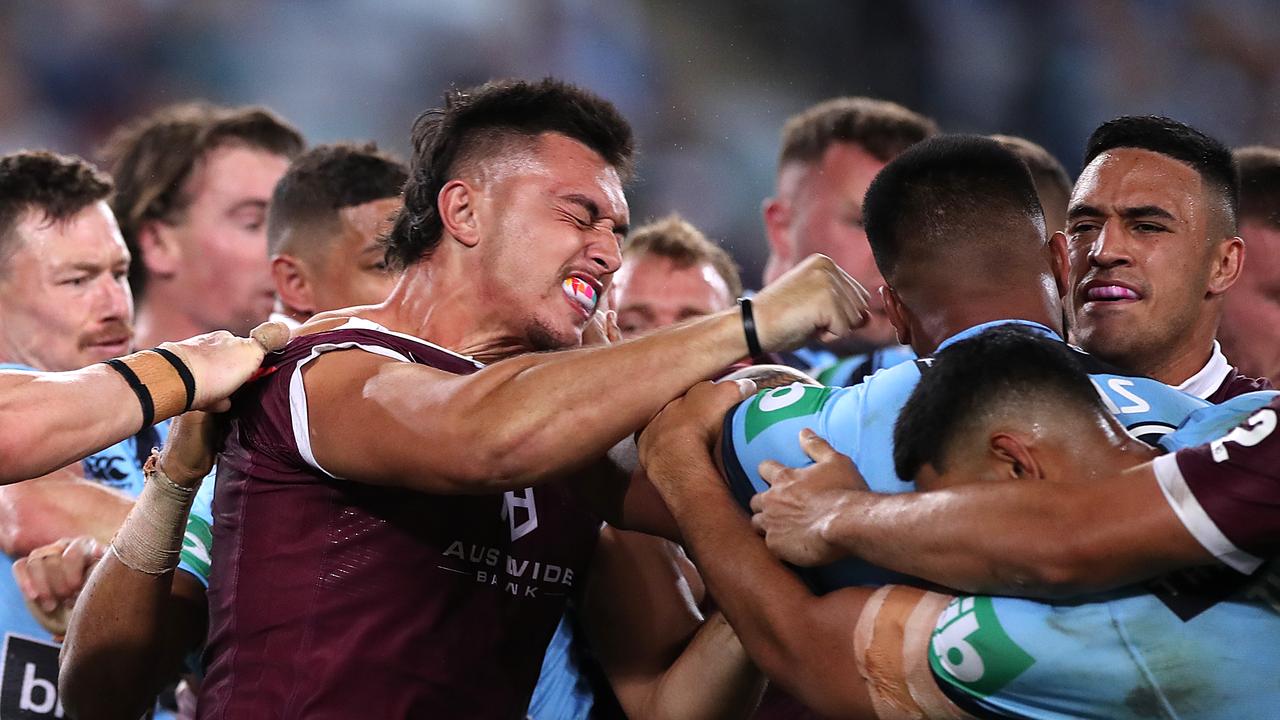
{"points": [[150, 540]]}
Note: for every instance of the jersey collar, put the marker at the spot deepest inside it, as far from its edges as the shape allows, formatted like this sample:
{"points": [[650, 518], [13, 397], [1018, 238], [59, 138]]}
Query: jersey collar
{"points": [[1210, 378], [976, 329]]}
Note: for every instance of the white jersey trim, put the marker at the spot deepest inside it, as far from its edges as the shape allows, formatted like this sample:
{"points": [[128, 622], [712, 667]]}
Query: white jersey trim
{"points": [[359, 323], [298, 395], [1211, 376], [1197, 521]]}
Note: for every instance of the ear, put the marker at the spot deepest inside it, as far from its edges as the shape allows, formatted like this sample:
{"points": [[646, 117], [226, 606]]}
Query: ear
{"points": [[899, 314], [293, 285], [1228, 262], [457, 203], [1060, 263], [777, 219], [1016, 454], [159, 249]]}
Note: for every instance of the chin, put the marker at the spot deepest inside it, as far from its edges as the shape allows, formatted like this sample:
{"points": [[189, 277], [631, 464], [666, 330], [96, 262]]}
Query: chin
{"points": [[543, 338]]}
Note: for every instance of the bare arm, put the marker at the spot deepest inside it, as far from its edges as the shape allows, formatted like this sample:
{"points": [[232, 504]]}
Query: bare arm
{"points": [[802, 642], [59, 505], [130, 629], [662, 659], [54, 419], [1035, 539], [527, 419]]}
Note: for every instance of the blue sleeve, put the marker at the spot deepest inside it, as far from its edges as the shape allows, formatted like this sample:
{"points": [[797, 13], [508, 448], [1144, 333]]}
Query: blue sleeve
{"points": [[1210, 423], [197, 541], [767, 427]]}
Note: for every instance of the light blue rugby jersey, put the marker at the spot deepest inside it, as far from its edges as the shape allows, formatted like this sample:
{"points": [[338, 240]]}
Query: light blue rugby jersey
{"points": [[858, 421], [1196, 644], [29, 652]]}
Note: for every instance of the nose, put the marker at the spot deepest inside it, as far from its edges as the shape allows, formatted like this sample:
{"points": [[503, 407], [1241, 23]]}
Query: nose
{"points": [[1110, 248], [115, 301], [605, 251]]}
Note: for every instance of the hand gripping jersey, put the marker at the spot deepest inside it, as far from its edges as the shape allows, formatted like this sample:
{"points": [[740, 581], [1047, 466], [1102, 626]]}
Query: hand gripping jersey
{"points": [[29, 669], [334, 599], [1196, 644], [858, 421]]}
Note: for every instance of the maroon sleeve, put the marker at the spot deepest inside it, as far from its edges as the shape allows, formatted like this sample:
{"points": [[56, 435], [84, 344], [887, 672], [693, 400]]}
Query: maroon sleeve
{"points": [[1235, 482]]}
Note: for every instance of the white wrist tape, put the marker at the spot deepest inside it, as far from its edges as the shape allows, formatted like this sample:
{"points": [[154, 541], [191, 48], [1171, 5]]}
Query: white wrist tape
{"points": [[150, 540]]}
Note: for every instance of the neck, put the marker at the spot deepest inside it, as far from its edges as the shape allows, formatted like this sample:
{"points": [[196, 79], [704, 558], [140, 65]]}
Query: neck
{"points": [[293, 314], [1175, 365], [956, 310], [159, 321], [436, 300]]}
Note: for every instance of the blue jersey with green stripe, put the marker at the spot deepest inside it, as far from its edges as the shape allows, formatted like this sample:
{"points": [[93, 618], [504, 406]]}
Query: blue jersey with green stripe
{"points": [[1195, 644], [197, 541], [858, 421]]}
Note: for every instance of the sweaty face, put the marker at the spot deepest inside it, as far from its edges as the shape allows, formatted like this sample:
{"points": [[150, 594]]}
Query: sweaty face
{"points": [[64, 292], [1250, 331], [551, 220], [1140, 258], [223, 269], [353, 271], [651, 291], [825, 201]]}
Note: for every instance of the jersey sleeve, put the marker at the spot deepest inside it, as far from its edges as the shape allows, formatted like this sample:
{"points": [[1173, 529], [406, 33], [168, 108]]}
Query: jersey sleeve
{"points": [[767, 427], [197, 541], [1227, 491]]}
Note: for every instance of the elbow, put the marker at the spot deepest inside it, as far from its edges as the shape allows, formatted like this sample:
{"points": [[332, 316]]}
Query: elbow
{"points": [[23, 523]]}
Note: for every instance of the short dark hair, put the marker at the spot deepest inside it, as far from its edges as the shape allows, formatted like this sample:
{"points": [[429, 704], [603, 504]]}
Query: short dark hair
{"points": [[884, 129], [980, 375], [1258, 173], [58, 186], [676, 239], [1053, 184], [945, 193], [152, 158], [483, 121], [326, 179], [1177, 140]]}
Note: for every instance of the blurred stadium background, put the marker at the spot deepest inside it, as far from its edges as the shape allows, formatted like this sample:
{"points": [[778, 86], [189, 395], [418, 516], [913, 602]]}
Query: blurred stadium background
{"points": [[707, 83]]}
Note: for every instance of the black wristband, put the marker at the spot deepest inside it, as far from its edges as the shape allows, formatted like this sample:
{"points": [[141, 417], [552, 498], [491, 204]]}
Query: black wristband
{"points": [[749, 328], [184, 372], [144, 395]]}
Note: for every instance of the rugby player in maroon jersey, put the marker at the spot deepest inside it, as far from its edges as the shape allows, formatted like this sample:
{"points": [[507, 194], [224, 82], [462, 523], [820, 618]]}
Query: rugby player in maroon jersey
{"points": [[397, 521], [1151, 239]]}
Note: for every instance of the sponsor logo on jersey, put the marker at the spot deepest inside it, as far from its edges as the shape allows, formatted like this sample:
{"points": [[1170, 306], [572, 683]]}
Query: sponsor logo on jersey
{"points": [[523, 505], [971, 649], [773, 406], [29, 680]]}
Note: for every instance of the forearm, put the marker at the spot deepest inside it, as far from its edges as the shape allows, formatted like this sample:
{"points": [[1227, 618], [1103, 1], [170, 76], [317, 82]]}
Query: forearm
{"points": [[712, 678], [601, 395], [42, 511], [1032, 539], [55, 419], [111, 662], [763, 601]]}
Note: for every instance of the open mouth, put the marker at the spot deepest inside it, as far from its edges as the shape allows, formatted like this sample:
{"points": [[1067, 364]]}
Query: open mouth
{"points": [[582, 293]]}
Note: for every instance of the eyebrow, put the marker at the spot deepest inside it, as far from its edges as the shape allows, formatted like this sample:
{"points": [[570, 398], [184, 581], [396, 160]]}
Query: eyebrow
{"points": [[253, 203], [1130, 213], [594, 210]]}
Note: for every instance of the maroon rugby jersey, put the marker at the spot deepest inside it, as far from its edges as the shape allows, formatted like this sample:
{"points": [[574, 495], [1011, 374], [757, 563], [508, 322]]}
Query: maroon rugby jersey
{"points": [[334, 599], [1227, 492], [1236, 384]]}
